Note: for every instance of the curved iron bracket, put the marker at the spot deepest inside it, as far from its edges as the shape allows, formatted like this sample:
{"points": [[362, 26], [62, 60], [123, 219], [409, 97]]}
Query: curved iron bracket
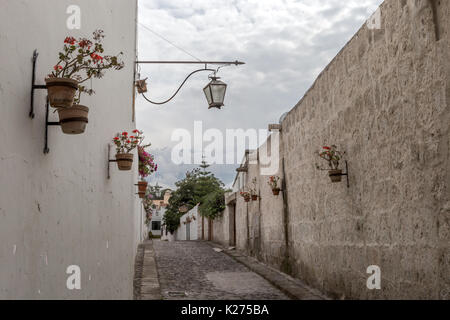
{"points": [[163, 102], [345, 174], [33, 85]]}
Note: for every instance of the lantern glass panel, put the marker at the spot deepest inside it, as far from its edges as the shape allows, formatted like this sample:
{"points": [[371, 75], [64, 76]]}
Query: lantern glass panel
{"points": [[207, 91], [218, 92]]}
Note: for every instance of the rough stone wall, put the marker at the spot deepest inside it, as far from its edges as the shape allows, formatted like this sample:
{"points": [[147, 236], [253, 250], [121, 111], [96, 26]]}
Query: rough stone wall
{"points": [[265, 236], [384, 100], [241, 224], [221, 228], [202, 228]]}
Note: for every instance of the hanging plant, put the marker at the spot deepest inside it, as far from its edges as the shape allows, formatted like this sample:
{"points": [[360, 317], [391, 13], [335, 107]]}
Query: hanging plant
{"points": [[333, 157], [147, 202], [124, 145], [273, 183], [245, 195], [148, 208], [147, 164], [81, 59]]}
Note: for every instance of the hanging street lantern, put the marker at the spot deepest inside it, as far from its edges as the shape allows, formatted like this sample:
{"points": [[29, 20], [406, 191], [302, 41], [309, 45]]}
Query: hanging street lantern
{"points": [[215, 92]]}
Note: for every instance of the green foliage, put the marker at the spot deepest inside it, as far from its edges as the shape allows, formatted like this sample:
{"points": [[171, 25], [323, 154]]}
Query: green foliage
{"points": [[199, 186], [213, 204]]}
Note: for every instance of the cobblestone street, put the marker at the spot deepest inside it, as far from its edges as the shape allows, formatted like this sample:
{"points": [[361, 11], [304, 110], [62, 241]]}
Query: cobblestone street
{"points": [[194, 268]]}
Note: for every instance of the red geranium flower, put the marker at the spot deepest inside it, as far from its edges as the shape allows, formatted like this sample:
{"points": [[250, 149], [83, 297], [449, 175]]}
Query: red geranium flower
{"points": [[85, 43], [70, 40], [326, 148], [124, 133], [96, 57]]}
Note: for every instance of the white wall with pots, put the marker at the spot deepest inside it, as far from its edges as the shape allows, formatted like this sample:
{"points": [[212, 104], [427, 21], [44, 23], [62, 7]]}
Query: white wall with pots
{"points": [[188, 230], [60, 209]]}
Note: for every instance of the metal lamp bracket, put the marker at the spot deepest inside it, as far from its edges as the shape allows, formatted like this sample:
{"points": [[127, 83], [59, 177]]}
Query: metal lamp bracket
{"points": [[48, 123], [109, 160], [346, 174], [31, 113], [33, 85]]}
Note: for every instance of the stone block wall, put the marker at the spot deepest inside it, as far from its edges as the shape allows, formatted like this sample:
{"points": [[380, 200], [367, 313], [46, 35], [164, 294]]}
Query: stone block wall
{"points": [[384, 100]]}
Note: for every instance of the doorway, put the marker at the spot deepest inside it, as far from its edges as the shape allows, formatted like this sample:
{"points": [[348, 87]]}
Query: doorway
{"points": [[232, 224]]}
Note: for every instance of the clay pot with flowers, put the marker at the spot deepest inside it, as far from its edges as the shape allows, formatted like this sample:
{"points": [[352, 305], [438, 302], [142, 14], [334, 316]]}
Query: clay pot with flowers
{"points": [[246, 196], [274, 184], [80, 60], [332, 156], [125, 143], [146, 167]]}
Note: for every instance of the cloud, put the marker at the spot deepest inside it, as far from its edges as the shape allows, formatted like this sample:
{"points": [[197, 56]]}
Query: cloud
{"points": [[168, 173], [285, 45]]}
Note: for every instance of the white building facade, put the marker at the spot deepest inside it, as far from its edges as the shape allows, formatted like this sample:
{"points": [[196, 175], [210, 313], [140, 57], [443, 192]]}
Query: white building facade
{"points": [[157, 220], [59, 211], [189, 225]]}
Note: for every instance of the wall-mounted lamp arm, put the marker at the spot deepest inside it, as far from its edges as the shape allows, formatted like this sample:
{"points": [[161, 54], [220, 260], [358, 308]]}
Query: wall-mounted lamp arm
{"points": [[163, 102]]}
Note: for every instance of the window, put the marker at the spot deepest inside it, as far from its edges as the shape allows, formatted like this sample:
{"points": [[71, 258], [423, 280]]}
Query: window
{"points": [[156, 225]]}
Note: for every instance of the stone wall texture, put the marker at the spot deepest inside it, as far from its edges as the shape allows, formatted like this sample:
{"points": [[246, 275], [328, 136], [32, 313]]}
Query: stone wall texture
{"points": [[384, 99]]}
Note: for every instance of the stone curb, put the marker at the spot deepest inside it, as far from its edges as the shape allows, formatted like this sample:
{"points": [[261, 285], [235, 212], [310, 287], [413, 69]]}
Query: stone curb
{"points": [[291, 287], [146, 281]]}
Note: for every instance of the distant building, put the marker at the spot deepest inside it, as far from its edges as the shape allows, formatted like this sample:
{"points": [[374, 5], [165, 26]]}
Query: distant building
{"points": [[160, 205], [188, 229]]}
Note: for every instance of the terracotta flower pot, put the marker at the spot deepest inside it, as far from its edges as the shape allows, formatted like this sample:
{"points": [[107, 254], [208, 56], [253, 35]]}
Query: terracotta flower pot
{"points": [[141, 194], [141, 86], [254, 197], [142, 186], [276, 191], [247, 199], [73, 120], [124, 161], [61, 91], [335, 175]]}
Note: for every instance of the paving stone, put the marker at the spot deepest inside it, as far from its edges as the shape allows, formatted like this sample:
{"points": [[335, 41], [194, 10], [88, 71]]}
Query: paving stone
{"points": [[293, 288], [194, 268], [146, 284]]}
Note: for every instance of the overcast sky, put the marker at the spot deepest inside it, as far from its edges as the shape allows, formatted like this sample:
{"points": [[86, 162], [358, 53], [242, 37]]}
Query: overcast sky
{"points": [[285, 45]]}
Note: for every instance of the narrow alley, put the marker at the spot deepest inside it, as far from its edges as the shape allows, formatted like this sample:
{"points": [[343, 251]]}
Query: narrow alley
{"points": [[197, 270]]}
